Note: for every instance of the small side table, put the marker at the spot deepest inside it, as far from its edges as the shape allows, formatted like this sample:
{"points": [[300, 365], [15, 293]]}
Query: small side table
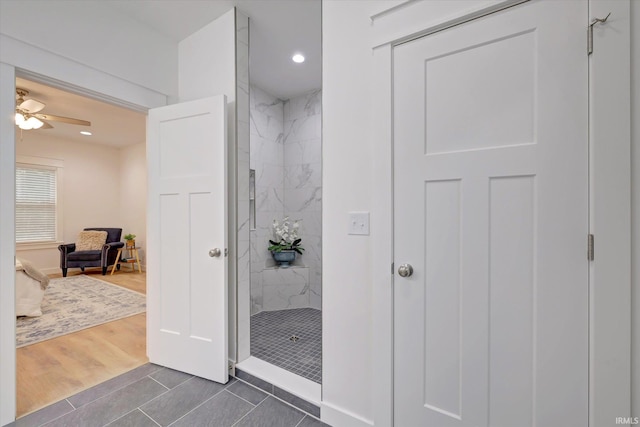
{"points": [[131, 260]]}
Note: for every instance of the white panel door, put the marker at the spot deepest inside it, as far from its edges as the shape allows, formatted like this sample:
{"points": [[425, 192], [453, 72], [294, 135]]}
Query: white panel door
{"points": [[490, 209], [187, 238]]}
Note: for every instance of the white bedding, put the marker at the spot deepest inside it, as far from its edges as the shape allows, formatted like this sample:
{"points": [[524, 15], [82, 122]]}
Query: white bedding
{"points": [[29, 294]]}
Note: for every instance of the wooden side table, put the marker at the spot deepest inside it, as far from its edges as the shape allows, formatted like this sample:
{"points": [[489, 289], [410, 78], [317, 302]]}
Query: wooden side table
{"points": [[130, 260]]}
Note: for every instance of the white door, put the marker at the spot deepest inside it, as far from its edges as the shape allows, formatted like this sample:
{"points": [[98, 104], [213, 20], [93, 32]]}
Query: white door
{"points": [[490, 210], [187, 238]]}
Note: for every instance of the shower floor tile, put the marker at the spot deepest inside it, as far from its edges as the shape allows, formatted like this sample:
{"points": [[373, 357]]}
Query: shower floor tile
{"points": [[271, 333]]}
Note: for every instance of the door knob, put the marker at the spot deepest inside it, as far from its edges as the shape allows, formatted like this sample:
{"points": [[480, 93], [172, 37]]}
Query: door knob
{"points": [[215, 252], [405, 270]]}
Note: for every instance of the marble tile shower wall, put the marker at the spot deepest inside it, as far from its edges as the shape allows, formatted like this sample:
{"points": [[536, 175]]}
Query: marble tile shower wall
{"points": [[303, 180], [267, 159], [286, 156]]}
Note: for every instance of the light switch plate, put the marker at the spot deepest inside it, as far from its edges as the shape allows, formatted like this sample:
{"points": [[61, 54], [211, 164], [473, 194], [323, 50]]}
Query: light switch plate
{"points": [[359, 223]]}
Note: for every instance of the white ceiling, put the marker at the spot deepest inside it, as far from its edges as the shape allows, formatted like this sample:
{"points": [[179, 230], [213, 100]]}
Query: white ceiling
{"points": [[278, 29], [110, 125]]}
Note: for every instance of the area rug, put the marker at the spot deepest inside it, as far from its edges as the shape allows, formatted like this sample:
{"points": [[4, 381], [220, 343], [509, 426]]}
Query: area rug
{"points": [[74, 303]]}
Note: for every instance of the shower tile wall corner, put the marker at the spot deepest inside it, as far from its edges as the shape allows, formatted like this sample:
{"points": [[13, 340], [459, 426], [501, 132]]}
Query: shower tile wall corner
{"points": [[286, 156], [267, 159], [303, 180]]}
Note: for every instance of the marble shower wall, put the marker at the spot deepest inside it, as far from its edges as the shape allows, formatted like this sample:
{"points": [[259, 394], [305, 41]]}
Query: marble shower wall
{"points": [[286, 156], [303, 180], [267, 160], [242, 215]]}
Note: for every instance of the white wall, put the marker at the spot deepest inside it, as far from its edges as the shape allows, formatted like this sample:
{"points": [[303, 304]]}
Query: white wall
{"points": [[635, 208], [90, 189], [7, 249], [132, 188], [347, 176], [92, 33]]}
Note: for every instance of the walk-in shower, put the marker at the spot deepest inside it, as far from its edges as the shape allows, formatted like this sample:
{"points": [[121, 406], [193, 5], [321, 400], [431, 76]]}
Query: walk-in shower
{"points": [[286, 165]]}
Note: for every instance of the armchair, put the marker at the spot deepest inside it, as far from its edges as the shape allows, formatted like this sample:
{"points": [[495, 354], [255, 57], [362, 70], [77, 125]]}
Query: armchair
{"points": [[70, 258]]}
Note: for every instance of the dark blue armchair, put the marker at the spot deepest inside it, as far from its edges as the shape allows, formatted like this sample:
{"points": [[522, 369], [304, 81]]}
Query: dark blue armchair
{"points": [[70, 258]]}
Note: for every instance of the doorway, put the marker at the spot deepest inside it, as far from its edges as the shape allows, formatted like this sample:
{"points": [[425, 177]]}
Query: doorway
{"points": [[279, 310], [104, 184]]}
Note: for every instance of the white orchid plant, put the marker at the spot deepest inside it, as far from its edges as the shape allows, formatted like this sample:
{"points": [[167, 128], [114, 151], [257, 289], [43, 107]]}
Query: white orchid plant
{"points": [[286, 236]]}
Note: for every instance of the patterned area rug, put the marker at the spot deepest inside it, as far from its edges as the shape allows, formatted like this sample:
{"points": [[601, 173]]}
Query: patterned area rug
{"points": [[74, 303]]}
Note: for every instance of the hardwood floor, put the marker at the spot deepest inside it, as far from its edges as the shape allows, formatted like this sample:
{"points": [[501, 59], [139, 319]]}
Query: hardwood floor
{"points": [[58, 368]]}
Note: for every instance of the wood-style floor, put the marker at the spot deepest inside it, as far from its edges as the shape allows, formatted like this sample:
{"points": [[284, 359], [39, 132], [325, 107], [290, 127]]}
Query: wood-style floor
{"points": [[52, 370]]}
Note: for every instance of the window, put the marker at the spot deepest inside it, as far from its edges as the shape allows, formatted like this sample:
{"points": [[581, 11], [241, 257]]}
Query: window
{"points": [[37, 208]]}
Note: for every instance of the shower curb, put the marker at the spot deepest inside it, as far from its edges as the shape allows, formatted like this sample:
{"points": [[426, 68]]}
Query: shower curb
{"points": [[273, 390]]}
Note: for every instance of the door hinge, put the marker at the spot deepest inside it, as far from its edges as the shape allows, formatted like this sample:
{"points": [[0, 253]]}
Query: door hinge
{"points": [[590, 248], [590, 32], [392, 267]]}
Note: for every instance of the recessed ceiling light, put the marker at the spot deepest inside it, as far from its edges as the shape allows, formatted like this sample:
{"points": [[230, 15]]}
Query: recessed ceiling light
{"points": [[297, 58], [84, 132]]}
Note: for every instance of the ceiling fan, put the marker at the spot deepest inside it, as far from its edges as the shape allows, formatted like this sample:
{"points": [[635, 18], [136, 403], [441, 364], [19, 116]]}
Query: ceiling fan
{"points": [[28, 116]]}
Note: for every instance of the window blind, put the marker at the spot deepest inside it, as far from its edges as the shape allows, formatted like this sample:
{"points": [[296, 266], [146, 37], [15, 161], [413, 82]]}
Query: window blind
{"points": [[35, 204]]}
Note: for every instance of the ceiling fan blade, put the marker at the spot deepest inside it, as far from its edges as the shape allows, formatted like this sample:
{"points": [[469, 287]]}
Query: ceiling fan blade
{"points": [[46, 126], [63, 119], [31, 106]]}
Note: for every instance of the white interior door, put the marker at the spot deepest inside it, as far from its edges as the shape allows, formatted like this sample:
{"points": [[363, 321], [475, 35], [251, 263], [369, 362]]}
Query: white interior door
{"points": [[187, 238], [490, 209]]}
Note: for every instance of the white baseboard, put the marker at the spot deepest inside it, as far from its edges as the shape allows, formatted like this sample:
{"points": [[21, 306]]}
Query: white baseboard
{"points": [[336, 416]]}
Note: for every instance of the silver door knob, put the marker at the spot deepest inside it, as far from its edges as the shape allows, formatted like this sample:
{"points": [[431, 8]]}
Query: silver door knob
{"points": [[405, 270], [215, 252]]}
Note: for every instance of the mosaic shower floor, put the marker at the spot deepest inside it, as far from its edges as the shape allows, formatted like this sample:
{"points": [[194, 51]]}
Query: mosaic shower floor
{"points": [[289, 339]]}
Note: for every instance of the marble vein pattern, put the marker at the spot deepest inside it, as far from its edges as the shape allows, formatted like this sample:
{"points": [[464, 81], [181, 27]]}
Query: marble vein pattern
{"points": [[285, 152]]}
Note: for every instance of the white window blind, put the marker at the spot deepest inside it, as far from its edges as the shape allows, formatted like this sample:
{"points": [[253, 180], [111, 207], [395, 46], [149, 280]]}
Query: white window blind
{"points": [[35, 204]]}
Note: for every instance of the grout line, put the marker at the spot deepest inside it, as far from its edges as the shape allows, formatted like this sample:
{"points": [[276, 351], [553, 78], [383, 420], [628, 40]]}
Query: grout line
{"points": [[242, 398], [245, 415], [193, 409], [67, 399], [165, 385], [283, 401], [148, 416]]}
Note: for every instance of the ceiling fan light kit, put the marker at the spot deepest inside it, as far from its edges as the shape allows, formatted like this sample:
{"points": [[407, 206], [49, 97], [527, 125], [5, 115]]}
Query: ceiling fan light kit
{"points": [[28, 116], [28, 123]]}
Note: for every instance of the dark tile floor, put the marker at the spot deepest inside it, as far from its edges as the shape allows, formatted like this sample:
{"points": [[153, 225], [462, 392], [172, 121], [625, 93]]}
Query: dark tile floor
{"points": [[271, 333], [155, 396]]}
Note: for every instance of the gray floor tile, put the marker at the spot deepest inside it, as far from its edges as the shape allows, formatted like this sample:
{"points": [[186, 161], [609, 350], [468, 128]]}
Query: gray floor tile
{"points": [[180, 400], [296, 401], [223, 410], [133, 419], [113, 406], [270, 413], [247, 392], [261, 384], [111, 385], [44, 415], [312, 422], [169, 377]]}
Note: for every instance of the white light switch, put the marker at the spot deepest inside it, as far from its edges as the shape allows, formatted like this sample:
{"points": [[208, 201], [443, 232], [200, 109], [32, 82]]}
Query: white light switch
{"points": [[359, 223]]}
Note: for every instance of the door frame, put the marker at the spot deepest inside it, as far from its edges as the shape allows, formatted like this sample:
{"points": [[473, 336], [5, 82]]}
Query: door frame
{"points": [[609, 212], [22, 60]]}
